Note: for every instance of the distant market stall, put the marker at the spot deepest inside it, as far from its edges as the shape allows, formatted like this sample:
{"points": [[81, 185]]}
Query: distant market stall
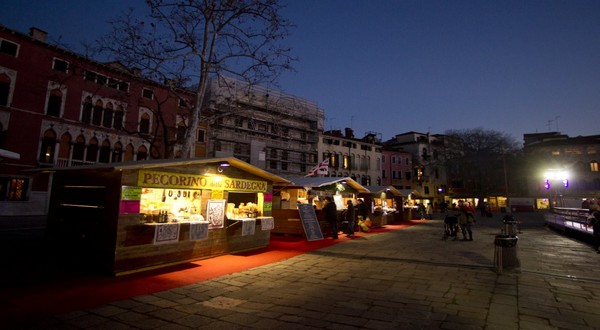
{"points": [[126, 217], [310, 190], [385, 202]]}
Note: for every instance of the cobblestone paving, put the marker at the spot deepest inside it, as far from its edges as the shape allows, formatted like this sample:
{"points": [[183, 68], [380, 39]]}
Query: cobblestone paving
{"points": [[405, 279]]}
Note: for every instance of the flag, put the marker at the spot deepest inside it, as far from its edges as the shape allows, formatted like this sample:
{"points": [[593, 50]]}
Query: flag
{"points": [[322, 168]]}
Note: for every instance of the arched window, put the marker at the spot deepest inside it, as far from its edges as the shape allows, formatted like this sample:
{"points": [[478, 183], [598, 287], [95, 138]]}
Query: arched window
{"points": [[86, 111], [117, 155], [119, 115], [108, 115], [48, 147], [142, 153], [92, 151], [97, 113], [128, 153], [79, 148], [4, 89], [104, 156], [54, 106], [145, 123], [65, 147]]}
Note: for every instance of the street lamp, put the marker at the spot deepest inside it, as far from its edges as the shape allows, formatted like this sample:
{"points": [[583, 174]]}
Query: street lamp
{"points": [[559, 178]]}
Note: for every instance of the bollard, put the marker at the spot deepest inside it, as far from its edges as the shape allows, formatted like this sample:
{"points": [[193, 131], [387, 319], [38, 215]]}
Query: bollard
{"points": [[510, 226], [505, 252]]}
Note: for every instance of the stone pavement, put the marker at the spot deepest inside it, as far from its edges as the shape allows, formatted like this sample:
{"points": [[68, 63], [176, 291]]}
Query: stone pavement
{"points": [[404, 279]]}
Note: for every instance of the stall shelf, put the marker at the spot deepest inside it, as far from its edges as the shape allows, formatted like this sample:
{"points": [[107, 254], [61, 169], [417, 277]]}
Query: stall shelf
{"points": [[385, 204]]}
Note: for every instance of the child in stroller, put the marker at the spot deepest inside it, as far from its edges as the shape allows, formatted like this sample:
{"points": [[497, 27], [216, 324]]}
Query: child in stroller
{"points": [[451, 226]]}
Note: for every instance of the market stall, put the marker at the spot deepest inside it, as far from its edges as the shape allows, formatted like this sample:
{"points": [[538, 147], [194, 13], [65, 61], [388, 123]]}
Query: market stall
{"points": [[309, 190], [410, 201], [386, 202], [127, 217]]}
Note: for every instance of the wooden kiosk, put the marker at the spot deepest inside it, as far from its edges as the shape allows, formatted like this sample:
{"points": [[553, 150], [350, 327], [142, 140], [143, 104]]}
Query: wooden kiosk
{"points": [[386, 204], [127, 217], [309, 190]]}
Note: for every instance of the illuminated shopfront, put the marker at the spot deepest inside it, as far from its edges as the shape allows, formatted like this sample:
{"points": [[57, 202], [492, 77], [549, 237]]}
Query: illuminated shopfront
{"points": [[310, 190], [134, 216]]}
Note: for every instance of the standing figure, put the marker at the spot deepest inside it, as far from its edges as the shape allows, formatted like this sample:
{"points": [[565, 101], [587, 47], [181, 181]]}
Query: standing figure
{"points": [[330, 215], [466, 220], [429, 211], [350, 217]]}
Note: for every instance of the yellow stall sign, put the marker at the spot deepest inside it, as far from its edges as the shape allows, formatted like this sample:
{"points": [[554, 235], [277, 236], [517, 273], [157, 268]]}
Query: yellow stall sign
{"points": [[190, 181]]}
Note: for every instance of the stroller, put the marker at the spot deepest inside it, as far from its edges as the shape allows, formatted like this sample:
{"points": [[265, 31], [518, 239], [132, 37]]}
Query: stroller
{"points": [[451, 226]]}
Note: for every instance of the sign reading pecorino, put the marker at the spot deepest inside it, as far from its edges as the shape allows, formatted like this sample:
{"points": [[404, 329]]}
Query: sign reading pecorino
{"points": [[182, 180]]}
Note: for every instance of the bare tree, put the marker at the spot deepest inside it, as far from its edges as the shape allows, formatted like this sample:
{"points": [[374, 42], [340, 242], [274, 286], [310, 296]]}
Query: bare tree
{"points": [[476, 159], [183, 43]]}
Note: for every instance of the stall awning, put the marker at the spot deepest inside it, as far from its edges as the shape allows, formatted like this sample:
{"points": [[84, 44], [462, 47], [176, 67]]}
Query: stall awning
{"points": [[324, 182], [410, 192], [386, 189], [9, 154], [165, 163]]}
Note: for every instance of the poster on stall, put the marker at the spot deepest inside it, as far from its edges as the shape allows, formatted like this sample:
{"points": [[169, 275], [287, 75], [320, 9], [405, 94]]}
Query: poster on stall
{"points": [[166, 233], [308, 216], [215, 213], [248, 227], [268, 203], [130, 200]]}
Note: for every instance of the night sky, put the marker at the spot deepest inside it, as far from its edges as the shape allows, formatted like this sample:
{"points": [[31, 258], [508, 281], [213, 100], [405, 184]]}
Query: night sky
{"points": [[396, 66]]}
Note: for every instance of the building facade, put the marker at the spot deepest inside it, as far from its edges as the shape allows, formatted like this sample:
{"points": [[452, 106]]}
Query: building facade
{"points": [[396, 168], [60, 109], [359, 159], [428, 164], [269, 129]]}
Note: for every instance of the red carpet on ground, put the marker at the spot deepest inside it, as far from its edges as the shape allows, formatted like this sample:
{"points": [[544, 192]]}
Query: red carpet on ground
{"points": [[62, 296]]}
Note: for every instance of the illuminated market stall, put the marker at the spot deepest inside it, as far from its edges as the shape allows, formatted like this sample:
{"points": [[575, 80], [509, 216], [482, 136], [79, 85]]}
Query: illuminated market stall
{"points": [[127, 217], [386, 204], [310, 190]]}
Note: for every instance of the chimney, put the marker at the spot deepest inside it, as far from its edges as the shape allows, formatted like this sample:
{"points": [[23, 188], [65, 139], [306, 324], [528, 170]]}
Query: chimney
{"points": [[38, 34], [349, 133]]}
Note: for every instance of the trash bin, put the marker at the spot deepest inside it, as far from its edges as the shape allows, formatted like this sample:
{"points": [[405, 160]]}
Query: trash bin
{"points": [[510, 226], [505, 252]]}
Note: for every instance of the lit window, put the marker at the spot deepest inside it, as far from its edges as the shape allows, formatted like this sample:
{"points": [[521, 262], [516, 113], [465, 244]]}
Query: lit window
{"points": [[14, 188], [48, 147], [594, 166]]}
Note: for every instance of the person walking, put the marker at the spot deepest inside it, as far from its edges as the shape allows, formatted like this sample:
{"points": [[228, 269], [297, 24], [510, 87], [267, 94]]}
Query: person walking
{"points": [[466, 220], [350, 218], [430, 211], [330, 215]]}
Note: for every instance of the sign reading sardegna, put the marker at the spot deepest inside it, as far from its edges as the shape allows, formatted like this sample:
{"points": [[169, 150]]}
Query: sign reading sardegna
{"points": [[190, 181]]}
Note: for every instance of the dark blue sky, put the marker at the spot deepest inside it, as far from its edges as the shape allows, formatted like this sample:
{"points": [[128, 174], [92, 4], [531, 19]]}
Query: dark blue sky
{"points": [[397, 66]]}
